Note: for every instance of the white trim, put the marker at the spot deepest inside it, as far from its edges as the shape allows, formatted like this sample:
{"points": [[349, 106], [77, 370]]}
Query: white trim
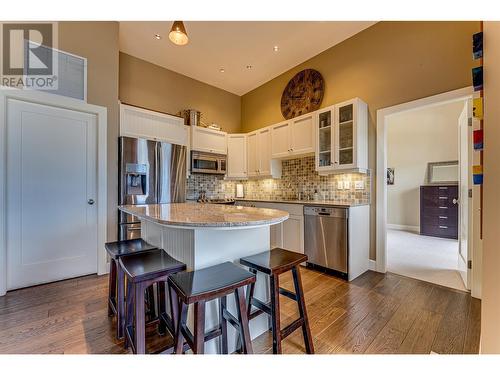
{"points": [[381, 187], [372, 265], [66, 103], [410, 228]]}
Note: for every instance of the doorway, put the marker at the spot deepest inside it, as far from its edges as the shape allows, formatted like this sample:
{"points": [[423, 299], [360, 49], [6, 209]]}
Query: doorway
{"points": [[53, 192], [402, 246]]}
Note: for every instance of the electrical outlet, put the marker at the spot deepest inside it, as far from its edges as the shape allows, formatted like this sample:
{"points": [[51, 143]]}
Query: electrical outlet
{"points": [[359, 185], [347, 184], [340, 185]]}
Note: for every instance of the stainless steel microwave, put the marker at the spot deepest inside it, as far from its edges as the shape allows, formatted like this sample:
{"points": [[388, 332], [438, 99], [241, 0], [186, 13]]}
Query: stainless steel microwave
{"points": [[205, 162]]}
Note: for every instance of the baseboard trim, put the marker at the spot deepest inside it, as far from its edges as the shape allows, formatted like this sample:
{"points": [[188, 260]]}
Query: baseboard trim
{"points": [[411, 228], [372, 265]]}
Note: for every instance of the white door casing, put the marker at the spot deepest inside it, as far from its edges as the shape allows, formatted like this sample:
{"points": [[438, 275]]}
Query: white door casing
{"points": [[465, 176], [381, 184], [51, 178], [100, 176]]}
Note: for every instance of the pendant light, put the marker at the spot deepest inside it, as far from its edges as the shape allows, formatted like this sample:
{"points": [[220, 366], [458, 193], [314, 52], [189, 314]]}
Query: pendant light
{"points": [[178, 34]]}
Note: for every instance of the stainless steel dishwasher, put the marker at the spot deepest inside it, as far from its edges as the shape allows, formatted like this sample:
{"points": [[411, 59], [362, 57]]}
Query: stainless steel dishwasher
{"points": [[325, 237]]}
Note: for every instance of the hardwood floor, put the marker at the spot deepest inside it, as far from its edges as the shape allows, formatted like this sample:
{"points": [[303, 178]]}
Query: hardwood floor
{"points": [[375, 313]]}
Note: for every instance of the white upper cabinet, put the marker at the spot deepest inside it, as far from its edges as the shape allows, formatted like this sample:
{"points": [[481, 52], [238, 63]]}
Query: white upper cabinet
{"points": [[280, 140], [302, 134], [236, 156], [259, 161], [342, 137], [208, 140], [253, 159], [293, 138], [264, 146], [142, 123]]}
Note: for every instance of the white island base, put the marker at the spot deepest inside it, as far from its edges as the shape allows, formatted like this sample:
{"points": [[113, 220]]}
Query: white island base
{"points": [[203, 247]]}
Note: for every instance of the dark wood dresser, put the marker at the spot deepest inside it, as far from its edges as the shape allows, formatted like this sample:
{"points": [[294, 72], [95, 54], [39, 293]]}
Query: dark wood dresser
{"points": [[438, 212]]}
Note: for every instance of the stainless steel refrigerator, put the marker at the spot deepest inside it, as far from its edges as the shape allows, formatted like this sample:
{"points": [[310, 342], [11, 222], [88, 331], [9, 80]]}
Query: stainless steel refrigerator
{"points": [[150, 172]]}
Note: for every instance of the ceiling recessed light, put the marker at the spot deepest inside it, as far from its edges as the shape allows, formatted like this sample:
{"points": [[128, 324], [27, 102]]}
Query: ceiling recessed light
{"points": [[158, 36], [249, 66], [221, 70], [276, 48]]}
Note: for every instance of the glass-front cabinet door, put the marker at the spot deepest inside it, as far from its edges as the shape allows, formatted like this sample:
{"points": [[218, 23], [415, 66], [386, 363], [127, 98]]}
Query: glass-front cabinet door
{"points": [[342, 137], [325, 131], [345, 135]]}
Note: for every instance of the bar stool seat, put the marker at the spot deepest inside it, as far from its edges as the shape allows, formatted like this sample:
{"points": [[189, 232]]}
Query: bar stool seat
{"points": [[142, 271], [116, 290], [274, 263], [204, 285]]}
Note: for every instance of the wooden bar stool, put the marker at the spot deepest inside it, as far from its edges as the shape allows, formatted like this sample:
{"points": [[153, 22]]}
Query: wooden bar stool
{"points": [[204, 285], [274, 263], [143, 270], [116, 290]]}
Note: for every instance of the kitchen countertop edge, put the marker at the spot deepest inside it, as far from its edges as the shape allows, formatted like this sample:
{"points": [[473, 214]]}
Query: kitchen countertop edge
{"points": [[200, 225]]}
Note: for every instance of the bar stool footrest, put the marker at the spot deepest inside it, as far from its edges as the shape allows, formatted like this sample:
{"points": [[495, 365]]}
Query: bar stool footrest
{"points": [[288, 293], [285, 332], [266, 307], [210, 335]]}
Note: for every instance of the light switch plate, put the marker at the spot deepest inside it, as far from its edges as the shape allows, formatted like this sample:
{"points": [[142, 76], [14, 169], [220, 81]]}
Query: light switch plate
{"points": [[340, 185], [347, 184], [359, 185]]}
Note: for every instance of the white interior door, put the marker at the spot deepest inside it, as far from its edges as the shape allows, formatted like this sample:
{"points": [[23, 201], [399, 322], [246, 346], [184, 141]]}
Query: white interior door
{"points": [[51, 184], [465, 178]]}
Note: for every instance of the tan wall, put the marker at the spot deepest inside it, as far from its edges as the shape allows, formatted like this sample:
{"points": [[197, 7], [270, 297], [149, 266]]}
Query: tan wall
{"points": [[98, 42], [148, 85], [386, 64], [414, 139], [490, 309]]}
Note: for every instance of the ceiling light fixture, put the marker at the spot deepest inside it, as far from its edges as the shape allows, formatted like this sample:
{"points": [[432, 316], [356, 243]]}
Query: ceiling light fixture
{"points": [[276, 48], [178, 34], [221, 70], [249, 66], [158, 36]]}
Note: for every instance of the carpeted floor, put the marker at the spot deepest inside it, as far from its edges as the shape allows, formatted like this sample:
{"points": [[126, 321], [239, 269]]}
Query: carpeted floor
{"points": [[425, 258]]}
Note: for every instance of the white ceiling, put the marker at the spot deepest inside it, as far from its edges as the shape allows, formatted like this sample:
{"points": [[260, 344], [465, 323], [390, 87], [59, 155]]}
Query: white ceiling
{"points": [[233, 46]]}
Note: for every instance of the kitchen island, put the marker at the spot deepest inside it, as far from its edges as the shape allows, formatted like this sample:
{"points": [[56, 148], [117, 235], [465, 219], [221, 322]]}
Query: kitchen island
{"points": [[203, 235]]}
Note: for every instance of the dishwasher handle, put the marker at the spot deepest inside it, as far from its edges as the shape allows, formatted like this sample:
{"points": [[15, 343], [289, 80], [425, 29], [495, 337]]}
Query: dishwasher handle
{"points": [[325, 211]]}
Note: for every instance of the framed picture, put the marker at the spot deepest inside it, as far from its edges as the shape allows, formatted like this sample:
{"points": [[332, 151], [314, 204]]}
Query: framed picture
{"points": [[477, 45], [390, 176], [477, 78]]}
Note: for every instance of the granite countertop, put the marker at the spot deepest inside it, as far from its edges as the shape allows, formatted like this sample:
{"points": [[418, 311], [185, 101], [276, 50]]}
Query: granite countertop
{"points": [[204, 215], [305, 202]]}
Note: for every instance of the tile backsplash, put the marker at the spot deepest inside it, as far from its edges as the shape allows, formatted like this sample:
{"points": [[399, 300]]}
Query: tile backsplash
{"points": [[298, 176]]}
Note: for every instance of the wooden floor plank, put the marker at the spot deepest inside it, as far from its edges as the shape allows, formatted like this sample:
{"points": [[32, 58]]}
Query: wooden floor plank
{"points": [[421, 335], [375, 313], [392, 335], [450, 335], [472, 336]]}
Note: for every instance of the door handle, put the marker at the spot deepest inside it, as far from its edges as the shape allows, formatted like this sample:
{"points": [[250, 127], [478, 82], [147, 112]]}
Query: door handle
{"points": [[455, 201], [91, 201]]}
